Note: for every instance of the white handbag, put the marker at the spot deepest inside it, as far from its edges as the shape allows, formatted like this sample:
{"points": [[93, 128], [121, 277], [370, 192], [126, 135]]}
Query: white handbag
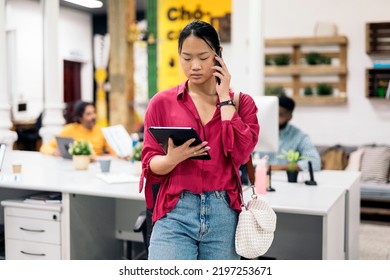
{"points": [[256, 223]]}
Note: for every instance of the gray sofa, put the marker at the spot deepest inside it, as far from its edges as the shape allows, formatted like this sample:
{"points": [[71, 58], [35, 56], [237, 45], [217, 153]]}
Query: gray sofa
{"points": [[375, 194]]}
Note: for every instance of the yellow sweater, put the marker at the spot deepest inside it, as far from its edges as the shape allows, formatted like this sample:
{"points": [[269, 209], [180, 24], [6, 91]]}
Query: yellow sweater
{"points": [[78, 132]]}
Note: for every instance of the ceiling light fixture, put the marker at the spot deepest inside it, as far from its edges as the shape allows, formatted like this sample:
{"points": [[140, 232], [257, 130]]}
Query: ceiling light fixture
{"points": [[87, 3]]}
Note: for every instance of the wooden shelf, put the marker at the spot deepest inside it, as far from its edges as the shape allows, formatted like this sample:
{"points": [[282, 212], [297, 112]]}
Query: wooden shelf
{"points": [[298, 41], [378, 38], [377, 82], [378, 43], [321, 100], [292, 76], [315, 70]]}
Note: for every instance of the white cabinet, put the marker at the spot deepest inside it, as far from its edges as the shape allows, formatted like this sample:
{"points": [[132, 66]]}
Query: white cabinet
{"points": [[32, 231]]}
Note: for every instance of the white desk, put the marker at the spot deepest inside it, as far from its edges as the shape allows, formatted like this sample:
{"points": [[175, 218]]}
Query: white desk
{"points": [[316, 217], [88, 208], [342, 180], [350, 182], [310, 222]]}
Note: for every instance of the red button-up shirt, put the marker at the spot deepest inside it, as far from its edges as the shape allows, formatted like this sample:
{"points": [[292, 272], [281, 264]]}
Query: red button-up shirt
{"points": [[231, 143]]}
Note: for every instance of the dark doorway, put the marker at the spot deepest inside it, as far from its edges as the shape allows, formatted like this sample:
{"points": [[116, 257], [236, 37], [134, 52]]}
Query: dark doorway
{"points": [[72, 87]]}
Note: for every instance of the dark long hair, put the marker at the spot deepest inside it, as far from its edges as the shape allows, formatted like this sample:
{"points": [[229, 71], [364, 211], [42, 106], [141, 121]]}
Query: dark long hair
{"points": [[79, 109], [202, 30]]}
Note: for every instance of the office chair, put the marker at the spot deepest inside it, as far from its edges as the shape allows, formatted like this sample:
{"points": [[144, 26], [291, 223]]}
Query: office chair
{"points": [[29, 139], [140, 226], [144, 224]]}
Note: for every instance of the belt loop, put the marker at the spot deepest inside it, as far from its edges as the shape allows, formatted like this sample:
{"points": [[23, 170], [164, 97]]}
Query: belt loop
{"points": [[218, 194]]}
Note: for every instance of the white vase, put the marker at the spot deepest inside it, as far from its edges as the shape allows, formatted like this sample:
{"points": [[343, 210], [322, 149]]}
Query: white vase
{"points": [[81, 162]]}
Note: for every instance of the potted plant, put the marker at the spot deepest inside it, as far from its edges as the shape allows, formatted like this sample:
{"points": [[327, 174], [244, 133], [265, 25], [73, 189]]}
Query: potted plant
{"points": [[282, 59], [267, 60], [324, 89], [292, 158], [307, 91], [81, 152], [312, 58], [274, 91], [325, 60]]}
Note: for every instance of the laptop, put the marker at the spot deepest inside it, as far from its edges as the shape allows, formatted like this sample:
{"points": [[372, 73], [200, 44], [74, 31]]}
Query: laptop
{"points": [[63, 145], [2, 154]]}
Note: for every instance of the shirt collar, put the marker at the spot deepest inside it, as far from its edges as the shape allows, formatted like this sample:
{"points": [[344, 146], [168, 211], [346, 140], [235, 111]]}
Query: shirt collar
{"points": [[182, 88]]}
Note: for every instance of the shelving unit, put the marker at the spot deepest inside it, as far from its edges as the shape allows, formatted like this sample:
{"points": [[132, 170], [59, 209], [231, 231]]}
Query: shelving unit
{"points": [[378, 46], [378, 82], [378, 38], [292, 75]]}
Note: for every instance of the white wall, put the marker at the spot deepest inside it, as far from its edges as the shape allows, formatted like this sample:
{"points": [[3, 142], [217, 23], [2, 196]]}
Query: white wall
{"points": [[24, 17], [361, 120]]}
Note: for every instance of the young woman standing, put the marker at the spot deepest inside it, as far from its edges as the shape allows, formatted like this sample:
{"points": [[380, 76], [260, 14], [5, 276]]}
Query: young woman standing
{"points": [[195, 203]]}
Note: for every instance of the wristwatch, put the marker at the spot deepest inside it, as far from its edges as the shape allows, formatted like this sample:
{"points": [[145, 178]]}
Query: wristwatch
{"points": [[227, 102]]}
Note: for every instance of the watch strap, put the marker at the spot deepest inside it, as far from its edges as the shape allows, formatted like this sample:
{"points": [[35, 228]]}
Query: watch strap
{"points": [[227, 102]]}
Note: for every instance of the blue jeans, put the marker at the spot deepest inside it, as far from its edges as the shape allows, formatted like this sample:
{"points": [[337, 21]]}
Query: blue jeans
{"points": [[200, 227]]}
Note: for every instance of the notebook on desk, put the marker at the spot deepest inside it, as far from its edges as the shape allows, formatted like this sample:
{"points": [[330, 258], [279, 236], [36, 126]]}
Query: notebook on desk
{"points": [[113, 178]]}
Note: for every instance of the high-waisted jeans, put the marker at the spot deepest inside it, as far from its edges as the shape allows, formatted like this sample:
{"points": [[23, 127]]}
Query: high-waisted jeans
{"points": [[199, 227]]}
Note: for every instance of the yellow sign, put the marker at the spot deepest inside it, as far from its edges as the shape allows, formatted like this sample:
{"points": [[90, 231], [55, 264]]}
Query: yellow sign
{"points": [[173, 16]]}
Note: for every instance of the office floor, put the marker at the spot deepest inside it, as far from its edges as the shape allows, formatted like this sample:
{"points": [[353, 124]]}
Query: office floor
{"points": [[374, 240]]}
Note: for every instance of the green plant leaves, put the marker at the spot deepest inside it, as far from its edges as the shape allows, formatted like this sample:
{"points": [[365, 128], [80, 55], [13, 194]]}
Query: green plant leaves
{"points": [[137, 150], [80, 147], [291, 156]]}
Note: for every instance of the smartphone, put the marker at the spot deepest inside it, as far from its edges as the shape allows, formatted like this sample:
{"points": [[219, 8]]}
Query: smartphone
{"points": [[219, 53]]}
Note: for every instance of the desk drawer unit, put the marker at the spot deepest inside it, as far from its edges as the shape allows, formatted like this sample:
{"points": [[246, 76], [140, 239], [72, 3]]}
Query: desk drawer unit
{"points": [[25, 250], [32, 231]]}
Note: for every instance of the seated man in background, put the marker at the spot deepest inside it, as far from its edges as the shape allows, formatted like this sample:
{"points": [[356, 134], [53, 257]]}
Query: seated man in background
{"points": [[291, 137], [84, 127]]}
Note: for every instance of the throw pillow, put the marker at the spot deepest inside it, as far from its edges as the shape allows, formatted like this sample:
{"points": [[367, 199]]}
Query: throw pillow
{"points": [[334, 158], [375, 164], [355, 159]]}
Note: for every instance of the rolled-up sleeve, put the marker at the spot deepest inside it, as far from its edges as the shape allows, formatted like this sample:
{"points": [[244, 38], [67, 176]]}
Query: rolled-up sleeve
{"points": [[149, 150], [240, 134]]}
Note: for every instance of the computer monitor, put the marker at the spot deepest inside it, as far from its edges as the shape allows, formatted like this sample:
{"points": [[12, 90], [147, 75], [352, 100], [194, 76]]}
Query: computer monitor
{"points": [[268, 117]]}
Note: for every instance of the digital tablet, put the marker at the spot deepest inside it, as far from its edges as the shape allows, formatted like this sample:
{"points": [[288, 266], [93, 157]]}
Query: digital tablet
{"points": [[179, 135], [63, 145]]}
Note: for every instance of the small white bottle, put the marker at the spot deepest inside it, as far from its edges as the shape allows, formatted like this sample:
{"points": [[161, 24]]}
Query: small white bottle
{"points": [[261, 176]]}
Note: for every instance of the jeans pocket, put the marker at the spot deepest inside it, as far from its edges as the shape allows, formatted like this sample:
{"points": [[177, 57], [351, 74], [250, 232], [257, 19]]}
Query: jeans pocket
{"points": [[224, 197]]}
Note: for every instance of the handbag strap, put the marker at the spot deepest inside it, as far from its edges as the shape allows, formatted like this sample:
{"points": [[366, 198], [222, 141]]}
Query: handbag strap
{"points": [[251, 172], [249, 164]]}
